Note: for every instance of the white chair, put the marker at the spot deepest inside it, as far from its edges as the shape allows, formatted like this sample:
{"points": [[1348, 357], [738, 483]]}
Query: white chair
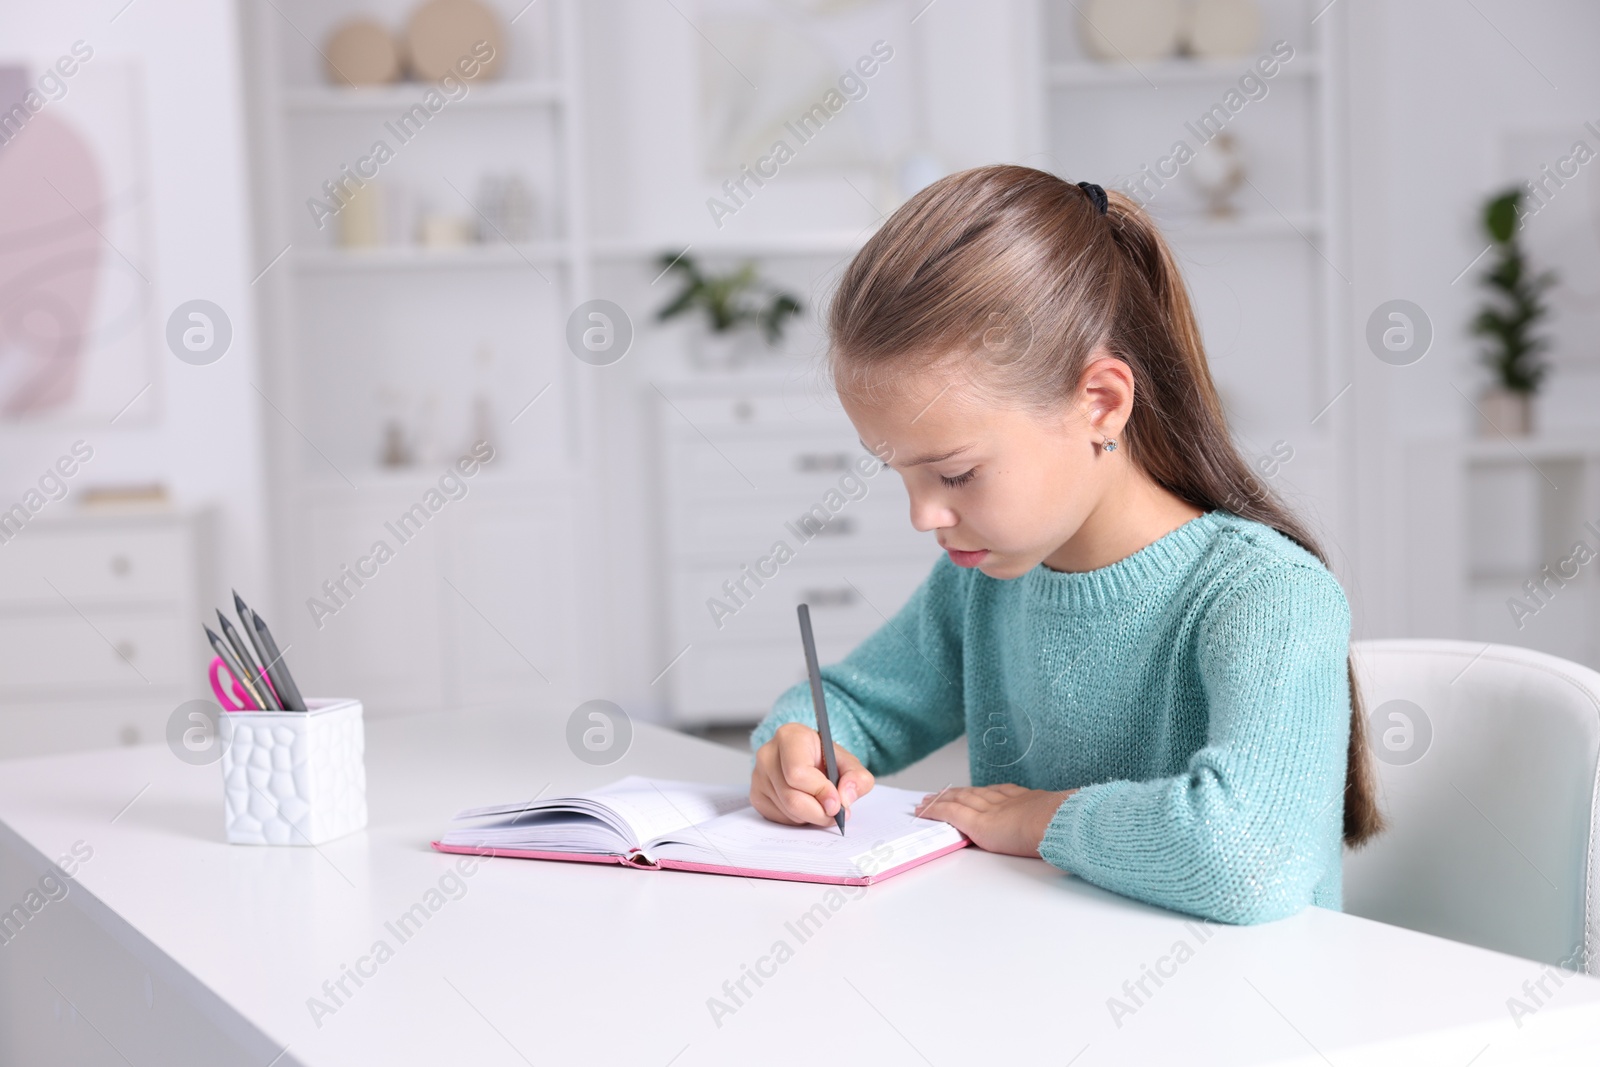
{"points": [[1488, 760]]}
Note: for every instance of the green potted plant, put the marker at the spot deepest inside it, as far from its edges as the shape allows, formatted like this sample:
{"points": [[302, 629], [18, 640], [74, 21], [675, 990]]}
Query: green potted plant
{"points": [[738, 309], [1508, 321]]}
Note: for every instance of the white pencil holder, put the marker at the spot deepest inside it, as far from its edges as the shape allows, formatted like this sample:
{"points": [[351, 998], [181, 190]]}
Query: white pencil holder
{"points": [[294, 777]]}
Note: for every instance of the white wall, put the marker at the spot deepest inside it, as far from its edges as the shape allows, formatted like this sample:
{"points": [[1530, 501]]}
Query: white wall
{"points": [[197, 429], [1435, 89], [648, 190]]}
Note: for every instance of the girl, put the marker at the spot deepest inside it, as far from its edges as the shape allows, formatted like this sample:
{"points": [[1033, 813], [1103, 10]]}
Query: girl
{"points": [[1145, 649]]}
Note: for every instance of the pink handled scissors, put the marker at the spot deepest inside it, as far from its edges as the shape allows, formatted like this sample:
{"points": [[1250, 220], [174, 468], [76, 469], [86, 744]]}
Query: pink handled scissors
{"points": [[245, 703]]}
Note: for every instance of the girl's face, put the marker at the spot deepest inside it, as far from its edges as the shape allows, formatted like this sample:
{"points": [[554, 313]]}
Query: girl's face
{"points": [[1002, 488]]}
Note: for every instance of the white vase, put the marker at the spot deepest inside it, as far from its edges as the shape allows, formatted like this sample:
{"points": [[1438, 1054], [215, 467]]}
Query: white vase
{"points": [[726, 350], [1502, 411]]}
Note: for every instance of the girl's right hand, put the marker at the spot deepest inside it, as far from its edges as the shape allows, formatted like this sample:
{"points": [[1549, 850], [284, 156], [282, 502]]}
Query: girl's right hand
{"points": [[790, 784]]}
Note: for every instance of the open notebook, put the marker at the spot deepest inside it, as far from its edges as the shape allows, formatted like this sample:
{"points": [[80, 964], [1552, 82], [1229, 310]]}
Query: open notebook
{"points": [[691, 826]]}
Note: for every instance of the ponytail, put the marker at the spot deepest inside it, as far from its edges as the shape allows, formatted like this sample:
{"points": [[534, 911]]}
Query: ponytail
{"points": [[1074, 280], [1190, 453]]}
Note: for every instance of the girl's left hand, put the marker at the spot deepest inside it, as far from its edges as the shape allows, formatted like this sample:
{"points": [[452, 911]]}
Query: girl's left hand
{"points": [[998, 818]]}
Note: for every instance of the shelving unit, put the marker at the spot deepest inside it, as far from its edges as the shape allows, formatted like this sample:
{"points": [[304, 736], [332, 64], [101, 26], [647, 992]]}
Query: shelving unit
{"points": [[445, 338], [417, 257], [1524, 504], [1266, 282], [395, 98], [1083, 73]]}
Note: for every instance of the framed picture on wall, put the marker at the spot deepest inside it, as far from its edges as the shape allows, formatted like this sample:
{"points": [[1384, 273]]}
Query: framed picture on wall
{"points": [[75, 275]]}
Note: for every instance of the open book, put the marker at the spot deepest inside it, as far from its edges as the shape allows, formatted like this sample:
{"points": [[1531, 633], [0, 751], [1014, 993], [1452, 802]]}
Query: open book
{"points": [[691, 826]]}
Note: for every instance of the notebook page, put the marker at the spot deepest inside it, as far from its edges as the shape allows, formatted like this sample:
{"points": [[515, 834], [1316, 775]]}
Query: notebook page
{"points": [[654, 807], [614, 818], [880, 834]]}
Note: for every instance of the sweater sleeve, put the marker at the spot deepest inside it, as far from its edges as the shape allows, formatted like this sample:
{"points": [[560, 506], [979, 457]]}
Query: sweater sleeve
{"points": [[897, 696], [1243, 834]]}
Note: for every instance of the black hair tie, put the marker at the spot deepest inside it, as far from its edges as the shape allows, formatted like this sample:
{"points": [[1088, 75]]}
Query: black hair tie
{"points": [[1097, 194]]}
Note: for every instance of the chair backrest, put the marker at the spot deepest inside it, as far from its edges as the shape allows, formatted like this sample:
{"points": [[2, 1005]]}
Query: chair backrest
{"points": [[1487, 758]]}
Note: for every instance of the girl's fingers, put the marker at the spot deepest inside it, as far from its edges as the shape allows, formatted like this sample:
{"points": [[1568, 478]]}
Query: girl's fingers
{"points": [[764, 800], [761, 800], [855, 781], [946, 810], [795, 785], [803, 789]]}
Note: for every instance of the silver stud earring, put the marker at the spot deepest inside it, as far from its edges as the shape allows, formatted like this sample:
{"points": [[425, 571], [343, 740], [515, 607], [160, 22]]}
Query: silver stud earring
{"points": [[1108, 445]]}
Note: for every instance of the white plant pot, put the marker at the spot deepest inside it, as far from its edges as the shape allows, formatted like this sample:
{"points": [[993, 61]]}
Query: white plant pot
{"points": [[1502, 411], [727, 350], [294, 777]]}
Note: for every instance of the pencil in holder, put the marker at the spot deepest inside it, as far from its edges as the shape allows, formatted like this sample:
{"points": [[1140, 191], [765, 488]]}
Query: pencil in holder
{"points": [[294, 777]]}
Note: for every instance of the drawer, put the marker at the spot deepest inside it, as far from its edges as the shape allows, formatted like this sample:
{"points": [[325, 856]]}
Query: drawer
{"points": [[60, 653], [696, 470], [738, 681], [877, 525], [39, 726], [756, 409], [845, 601], [126, 564]]}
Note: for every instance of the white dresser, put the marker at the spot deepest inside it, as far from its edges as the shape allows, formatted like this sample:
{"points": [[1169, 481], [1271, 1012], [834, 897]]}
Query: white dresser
{"points": [[100, 627], [745, 467]]}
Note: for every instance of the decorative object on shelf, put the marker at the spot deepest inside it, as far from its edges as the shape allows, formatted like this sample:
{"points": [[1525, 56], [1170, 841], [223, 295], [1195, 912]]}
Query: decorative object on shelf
{"points": [[443, 33], [1217, 171], [483, 422], [1508, 320], [734, 306], [361, 51], [397, 450], [506, 209], [1130, 31], [444, 231], [125, 495], [362, 222], [1222, 29]]}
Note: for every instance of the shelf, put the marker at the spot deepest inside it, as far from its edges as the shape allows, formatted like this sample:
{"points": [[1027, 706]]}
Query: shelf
{"points": [[421, 476], [1090, 74], [1255, 225], [417, 257], [332, 100], [1517, 449], [806, 243]]}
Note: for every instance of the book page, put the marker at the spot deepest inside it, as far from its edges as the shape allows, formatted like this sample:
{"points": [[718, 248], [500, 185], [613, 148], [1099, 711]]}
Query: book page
{"points": [[615, 818], [880, 834], [653, 807]]}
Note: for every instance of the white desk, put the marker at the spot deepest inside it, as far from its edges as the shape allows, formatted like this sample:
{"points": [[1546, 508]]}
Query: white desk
{"points": [[177, 948]]}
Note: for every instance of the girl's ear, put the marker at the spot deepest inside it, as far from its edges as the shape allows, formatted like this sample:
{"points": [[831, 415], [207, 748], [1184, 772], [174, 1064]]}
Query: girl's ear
{"points": [[1105, 394]]}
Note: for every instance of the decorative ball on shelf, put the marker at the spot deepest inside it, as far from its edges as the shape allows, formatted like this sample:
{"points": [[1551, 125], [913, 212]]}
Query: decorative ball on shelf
{"points": [[454, 37], [1223, 29], [1130, 30], [1217, 171], [362, 52]]}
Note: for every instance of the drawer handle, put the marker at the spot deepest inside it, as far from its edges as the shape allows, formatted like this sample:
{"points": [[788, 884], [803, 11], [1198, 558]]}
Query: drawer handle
{"points": [[822, 461], [121, 565], [829, 598], [842, 526]]}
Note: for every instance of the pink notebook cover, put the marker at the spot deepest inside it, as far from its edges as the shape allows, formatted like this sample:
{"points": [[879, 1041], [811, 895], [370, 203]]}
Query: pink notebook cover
{"points": [[704, 868]]}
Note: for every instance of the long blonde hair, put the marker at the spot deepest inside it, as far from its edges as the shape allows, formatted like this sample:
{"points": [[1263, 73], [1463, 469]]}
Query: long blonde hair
{"points": [[1019, 267]]}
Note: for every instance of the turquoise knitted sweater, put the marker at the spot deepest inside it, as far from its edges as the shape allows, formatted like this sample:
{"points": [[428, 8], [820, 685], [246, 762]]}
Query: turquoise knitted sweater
{"points": [[1193, 693]]}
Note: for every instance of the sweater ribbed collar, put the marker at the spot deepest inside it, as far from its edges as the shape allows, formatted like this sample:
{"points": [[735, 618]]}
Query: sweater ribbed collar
{"points": [[1156, 567]]}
